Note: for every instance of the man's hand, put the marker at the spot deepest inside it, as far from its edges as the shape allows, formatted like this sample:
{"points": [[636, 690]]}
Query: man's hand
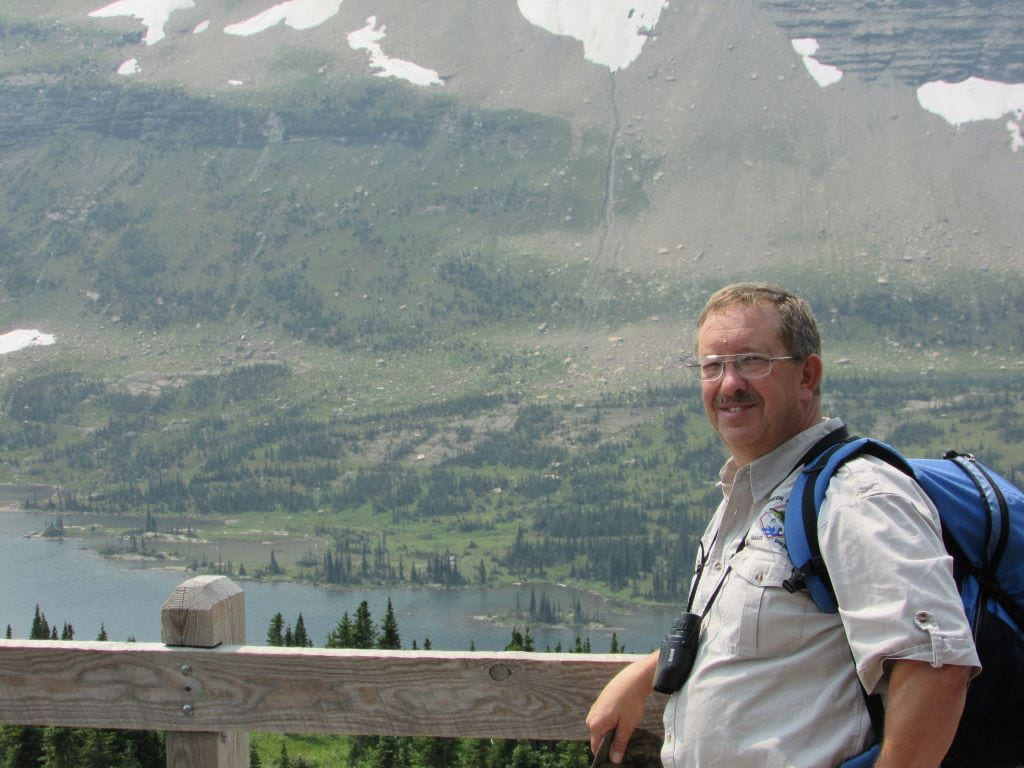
{"points": [[621, 705]]}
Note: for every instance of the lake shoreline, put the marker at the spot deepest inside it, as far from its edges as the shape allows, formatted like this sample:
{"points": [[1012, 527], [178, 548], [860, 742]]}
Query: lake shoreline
{"points": [[74, 583], [95, 542]]}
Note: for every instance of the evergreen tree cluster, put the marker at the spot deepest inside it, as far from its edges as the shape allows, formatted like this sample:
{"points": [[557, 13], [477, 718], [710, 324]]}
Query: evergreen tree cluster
{"points": [[555, 497], [41, 629]]}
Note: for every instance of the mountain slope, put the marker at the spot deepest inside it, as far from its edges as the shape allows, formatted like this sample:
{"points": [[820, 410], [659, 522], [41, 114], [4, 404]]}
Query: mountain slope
{"points": [[455, 315]]}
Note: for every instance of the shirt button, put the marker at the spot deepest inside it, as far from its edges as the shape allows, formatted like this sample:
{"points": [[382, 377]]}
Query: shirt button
{"points": [[758, 578], [718, 566]]}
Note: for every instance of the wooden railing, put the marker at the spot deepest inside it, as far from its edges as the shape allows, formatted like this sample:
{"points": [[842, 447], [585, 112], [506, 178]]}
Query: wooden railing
{"points": [[207, 690]]}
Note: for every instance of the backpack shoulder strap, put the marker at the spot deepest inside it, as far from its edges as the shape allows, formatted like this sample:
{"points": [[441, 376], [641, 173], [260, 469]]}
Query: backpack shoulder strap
{"points": [[801, 522]]}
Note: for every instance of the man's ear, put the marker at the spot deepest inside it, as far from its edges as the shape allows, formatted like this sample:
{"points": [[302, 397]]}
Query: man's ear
{"points": [[811, 374]]}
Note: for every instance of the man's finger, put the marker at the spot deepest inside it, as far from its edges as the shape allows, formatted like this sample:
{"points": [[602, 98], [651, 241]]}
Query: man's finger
{"points": [[619, 744]]}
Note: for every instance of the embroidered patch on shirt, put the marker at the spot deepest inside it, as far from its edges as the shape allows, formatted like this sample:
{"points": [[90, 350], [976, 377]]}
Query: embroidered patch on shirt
{"points": [[772, 522]]}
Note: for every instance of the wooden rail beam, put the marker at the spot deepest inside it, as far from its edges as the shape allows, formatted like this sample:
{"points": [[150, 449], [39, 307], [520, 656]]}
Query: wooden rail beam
{"points": [[209, 698], [304, 690]]}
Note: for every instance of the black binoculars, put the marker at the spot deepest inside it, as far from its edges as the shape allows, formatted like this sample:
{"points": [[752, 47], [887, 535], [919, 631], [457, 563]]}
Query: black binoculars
{"points": [[677, 653]]}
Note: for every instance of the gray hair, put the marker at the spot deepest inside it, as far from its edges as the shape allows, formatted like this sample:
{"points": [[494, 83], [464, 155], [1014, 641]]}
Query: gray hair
{"points": [[796, 324]]}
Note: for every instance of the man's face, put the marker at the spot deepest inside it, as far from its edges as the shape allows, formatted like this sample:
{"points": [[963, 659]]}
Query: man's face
{"points": [[754, 417]]}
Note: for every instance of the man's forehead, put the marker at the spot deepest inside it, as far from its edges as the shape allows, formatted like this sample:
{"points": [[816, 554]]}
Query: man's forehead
{"points": [[748, 328], [741, 316]]}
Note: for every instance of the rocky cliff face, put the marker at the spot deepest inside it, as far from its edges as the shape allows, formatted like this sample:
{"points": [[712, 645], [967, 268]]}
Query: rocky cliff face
{"points": [[913, 41], [721, 153], [758, 165]]}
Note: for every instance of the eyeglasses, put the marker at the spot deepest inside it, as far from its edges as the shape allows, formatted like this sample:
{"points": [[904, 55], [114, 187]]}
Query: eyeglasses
{"points": [[749, 366]]}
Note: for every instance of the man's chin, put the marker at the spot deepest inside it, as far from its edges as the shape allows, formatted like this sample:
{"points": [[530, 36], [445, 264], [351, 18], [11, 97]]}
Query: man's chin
{"points": [[738, 438]]}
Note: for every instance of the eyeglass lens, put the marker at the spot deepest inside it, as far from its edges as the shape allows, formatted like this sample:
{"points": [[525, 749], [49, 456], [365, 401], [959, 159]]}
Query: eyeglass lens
{"points": [[748, 366]]}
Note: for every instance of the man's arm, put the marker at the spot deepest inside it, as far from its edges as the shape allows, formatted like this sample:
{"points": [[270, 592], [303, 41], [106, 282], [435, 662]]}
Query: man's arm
{"points": [[621, 705], [922, 713]]}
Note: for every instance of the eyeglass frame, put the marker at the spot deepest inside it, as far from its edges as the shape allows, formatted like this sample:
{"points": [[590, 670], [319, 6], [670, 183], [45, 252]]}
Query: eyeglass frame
{"points": [[698, 364]]}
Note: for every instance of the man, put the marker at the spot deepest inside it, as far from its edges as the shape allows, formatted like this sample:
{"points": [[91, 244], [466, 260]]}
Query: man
{"points": [[776, 682]]}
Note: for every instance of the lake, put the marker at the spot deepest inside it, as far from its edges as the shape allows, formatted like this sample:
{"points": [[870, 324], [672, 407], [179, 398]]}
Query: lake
{"points": [[75, 585]]}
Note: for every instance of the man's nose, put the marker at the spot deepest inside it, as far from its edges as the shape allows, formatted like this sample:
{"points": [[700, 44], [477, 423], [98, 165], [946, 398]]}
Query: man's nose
{"points": [[732, 380]]}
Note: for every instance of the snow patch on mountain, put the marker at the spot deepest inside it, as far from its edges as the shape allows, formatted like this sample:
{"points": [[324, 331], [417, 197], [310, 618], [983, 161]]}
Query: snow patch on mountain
{"points": [[613, 32], [23, 337], [297, 14], [129, 67], [153, 13], [368, 39], [823, 74], [975, 99]]}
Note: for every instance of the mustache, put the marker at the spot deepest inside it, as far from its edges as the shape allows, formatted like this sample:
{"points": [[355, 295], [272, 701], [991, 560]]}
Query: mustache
{"points": [[740, 398]]}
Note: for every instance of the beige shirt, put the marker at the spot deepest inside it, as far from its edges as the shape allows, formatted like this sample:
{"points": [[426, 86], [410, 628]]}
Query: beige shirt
{"points": [[775, 683]]}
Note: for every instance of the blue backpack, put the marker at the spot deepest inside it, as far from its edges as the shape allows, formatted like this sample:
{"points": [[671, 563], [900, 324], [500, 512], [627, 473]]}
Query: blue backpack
{"points": [[982, 518]]}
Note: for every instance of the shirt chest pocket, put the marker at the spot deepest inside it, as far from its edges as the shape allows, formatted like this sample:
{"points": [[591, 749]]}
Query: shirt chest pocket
{"points": [[754, 616]]}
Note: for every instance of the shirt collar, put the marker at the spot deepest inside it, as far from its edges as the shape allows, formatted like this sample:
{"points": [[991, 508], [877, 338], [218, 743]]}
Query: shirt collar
{"points": [[771, 469]]}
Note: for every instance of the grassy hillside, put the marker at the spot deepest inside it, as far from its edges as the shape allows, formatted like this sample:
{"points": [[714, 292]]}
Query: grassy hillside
{"points": [[345, 319], [609, 494]]}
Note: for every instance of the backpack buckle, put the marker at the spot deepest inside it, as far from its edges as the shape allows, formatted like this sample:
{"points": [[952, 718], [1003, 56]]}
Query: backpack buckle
{"points": [[796, 581]]}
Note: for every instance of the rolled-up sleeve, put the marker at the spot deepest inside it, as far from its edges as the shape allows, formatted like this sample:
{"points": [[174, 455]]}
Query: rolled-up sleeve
{"points": [[881, 541]]}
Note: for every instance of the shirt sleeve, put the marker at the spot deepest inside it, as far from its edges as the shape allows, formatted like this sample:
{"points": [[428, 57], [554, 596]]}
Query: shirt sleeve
{"points": [[881, 541]]}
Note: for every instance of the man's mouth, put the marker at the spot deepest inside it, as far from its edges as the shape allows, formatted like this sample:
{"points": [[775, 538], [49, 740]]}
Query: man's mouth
{"points": [[735, 406]]}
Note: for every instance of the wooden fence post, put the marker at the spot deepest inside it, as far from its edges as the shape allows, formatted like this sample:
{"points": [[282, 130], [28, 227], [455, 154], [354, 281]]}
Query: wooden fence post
{"points": [[203, 612]]}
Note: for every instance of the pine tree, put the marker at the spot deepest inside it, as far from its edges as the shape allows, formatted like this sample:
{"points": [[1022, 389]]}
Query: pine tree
{"points": [[499, 755], [60, 748], [300, 638], [341, 635], [386, 752], [40, 628], [275, 634], [68, 633], [102, 636], [95, 748], [524, 756], [274, 569], [521, 641], [572, 754], [364, 633], [472, 753], [434, 751], [389, 637], [20, 746]]}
